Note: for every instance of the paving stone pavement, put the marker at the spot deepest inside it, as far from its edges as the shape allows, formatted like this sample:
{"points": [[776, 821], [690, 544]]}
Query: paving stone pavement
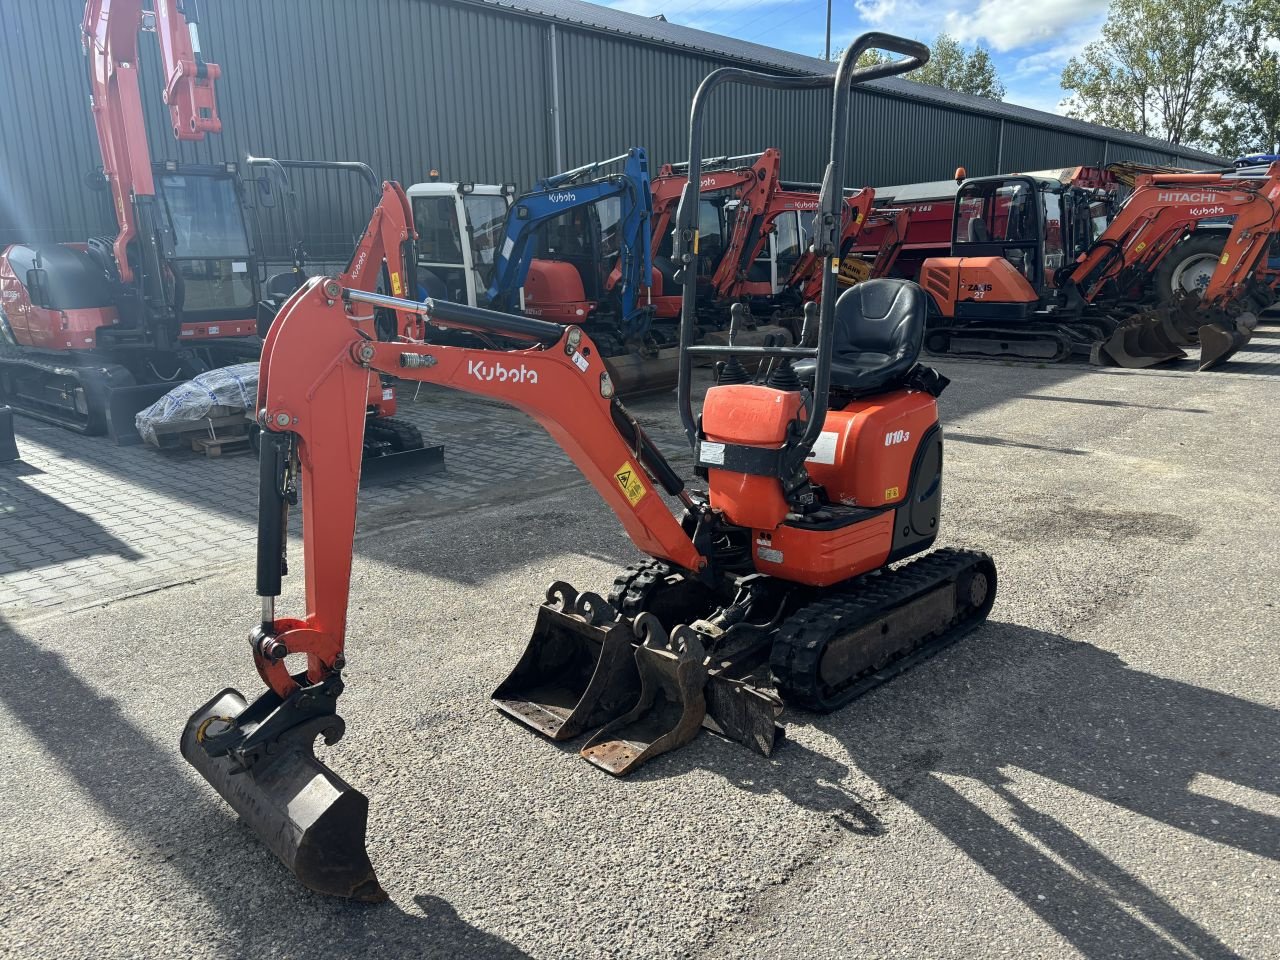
{"points": [[84, 520]]}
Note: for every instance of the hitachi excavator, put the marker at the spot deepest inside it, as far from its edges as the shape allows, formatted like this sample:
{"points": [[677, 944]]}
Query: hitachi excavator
{"points": [[786, 578], [1037, 273]]}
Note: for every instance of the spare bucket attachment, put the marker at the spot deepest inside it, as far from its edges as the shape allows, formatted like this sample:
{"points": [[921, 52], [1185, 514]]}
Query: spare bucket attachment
{"points": [[1143, 343], [261, 758], [1219, 341], [577, 671], [672, 705], [740, 711]]}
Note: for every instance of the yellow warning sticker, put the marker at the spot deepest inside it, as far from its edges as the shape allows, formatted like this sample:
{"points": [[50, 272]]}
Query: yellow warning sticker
{"points": [[397, 287], [1225, 257], [1141, 246], [628, 478], [891, 493]]}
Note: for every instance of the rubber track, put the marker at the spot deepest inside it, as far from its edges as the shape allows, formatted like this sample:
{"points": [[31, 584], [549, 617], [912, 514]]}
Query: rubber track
{"points": [[401, 434], [802, 639], [100, 370], [1013, 336], [632, 588]]}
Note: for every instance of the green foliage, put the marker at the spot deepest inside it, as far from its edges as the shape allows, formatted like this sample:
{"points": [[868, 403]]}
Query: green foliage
{"points": [[1247, 118], [951, 67], [1200, 72]]}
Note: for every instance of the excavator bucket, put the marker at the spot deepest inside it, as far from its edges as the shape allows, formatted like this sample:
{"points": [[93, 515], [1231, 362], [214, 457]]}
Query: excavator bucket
{"points": [[578, 670], [1219, 341], [309, 817], [1137, 345], [671, 708]]}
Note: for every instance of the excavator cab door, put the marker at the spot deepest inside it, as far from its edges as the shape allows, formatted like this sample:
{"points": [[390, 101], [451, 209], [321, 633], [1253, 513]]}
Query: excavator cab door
{"points": [[1003, 217]]}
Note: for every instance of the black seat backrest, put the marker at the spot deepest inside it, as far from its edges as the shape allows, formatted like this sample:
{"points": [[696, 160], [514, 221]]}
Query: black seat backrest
{"points": [[884, 316], [978, 232]]}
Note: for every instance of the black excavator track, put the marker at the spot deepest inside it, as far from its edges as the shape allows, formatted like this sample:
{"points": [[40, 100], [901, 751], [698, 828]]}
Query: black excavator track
{"points": [[842, 645], [74, 393], [398, 435]]}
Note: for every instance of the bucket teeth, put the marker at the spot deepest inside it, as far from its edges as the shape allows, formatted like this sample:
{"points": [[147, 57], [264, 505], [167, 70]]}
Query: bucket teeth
{"points": [[309, 817], [577, 671], [672, 701]]}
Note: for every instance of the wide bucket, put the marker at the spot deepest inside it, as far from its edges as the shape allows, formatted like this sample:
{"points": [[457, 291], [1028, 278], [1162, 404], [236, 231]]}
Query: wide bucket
{"points": [[668, 715], [1137, 346], [1220, 341], [577, 671], [308, 816]]}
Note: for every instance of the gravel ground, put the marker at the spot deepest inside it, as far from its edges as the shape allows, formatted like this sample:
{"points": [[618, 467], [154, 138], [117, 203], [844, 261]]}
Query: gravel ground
{"points": [[1093, 773]]}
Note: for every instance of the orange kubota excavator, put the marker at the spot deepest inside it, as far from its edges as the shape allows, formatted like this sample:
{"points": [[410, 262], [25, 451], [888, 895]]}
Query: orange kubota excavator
{"points": [[772, 586]]}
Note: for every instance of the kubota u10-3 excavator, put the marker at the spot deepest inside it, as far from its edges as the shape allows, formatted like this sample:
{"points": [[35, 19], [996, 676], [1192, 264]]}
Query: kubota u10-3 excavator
{"points": [[773, 586]]}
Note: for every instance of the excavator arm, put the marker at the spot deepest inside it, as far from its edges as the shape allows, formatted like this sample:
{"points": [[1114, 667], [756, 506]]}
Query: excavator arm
{"points": [[110, 35], [316, 365], [1163, 208]]}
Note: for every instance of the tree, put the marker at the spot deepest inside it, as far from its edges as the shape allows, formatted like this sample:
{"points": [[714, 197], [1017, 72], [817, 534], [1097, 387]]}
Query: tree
{"points": [[1247, 120], [1157, 67], [951, 67]]}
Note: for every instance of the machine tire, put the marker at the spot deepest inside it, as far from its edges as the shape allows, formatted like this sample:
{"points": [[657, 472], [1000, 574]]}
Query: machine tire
{"points": [[1184, 261]]}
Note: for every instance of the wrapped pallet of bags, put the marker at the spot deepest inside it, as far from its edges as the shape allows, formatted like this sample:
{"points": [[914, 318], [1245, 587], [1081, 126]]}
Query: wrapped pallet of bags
{"points": [[215, 401]]}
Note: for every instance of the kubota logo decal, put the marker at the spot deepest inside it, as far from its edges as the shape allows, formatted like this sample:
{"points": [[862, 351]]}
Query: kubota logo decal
{"points": [[496, 371], [1206, 211], [896, 437], [564, 196], [359, 264]]}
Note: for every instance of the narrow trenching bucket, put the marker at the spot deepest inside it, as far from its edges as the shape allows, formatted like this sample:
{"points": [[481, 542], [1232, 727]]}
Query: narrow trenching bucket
{"points": [[1220, 341], [672, 702], [578, 670], [309, 817]]}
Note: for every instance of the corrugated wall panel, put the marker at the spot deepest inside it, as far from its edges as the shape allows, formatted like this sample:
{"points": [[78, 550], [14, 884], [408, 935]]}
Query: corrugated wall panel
{"points": [[408, 85], [1036, 148]]}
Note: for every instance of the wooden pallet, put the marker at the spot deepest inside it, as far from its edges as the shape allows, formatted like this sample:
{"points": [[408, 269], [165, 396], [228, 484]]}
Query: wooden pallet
{"points": [[217, 446]]}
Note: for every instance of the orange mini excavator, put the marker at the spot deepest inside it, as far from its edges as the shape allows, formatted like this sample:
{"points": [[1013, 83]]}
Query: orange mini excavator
{"points": [[773, 585]]}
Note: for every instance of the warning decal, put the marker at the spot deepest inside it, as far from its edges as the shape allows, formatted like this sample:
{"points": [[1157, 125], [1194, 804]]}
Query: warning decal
{"points": [[628, 478]]}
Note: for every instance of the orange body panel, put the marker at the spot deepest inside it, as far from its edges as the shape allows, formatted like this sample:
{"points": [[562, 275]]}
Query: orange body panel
{"points": [[754, 416], [553, 291], [953, 279], [864, 454], [823, 557]]}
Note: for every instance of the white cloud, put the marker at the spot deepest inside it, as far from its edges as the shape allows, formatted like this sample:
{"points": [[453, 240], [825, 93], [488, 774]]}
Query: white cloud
{"points": [[1001, 24], [1008, 26]]}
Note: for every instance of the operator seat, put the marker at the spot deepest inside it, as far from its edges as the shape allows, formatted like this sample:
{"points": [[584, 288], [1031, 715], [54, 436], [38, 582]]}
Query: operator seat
{"points": [[978, 232], [878, 336]]}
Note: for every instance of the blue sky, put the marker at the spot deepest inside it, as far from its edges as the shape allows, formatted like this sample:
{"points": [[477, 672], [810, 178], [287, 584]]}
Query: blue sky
{"points": [[1030, 42]]}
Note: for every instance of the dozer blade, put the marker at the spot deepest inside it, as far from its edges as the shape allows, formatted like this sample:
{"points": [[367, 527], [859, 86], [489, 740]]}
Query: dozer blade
{"points": [[671, 708], [1136, 346], [309, 817], [577, 671], [1220, 341], [637, 373], [405, 464]]}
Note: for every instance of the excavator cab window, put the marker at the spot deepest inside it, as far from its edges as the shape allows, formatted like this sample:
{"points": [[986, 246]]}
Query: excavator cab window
{"points": [[1003, 217], [442, 268], [211, 251], [486, 221]]}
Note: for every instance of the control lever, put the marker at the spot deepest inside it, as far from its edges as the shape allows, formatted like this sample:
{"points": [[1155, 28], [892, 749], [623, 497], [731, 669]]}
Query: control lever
{"points": [[734, 372]]}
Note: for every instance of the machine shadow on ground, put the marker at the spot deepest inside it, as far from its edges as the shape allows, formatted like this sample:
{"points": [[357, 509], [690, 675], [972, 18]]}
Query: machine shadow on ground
{"points": [[1132, 739], [167, 817], [38, 530]]}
